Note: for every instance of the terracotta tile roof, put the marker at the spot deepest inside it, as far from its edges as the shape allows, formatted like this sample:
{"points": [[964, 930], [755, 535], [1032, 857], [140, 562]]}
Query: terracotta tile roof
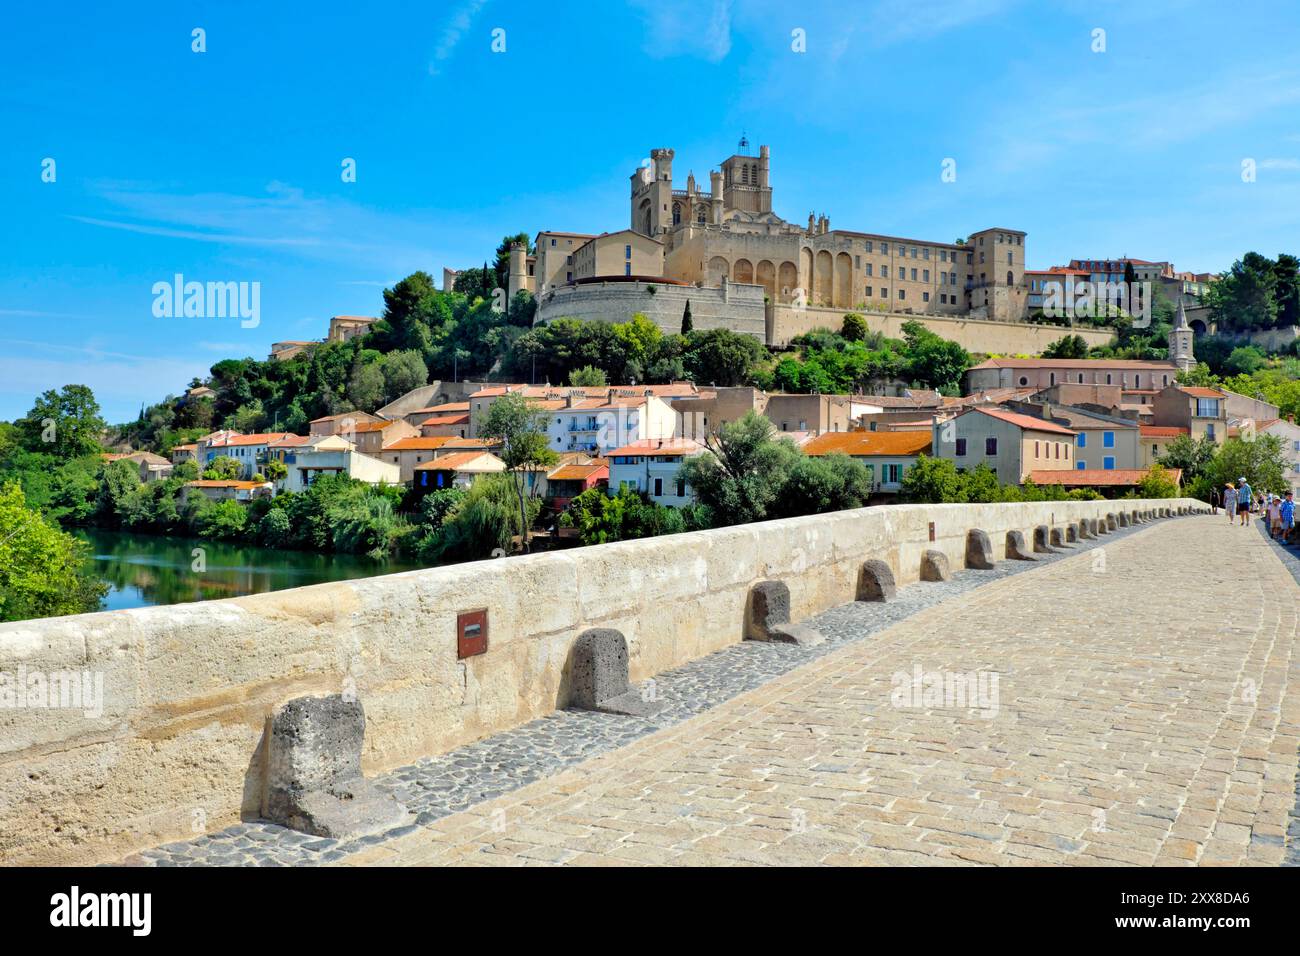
{"points": [[265, 438], [864, 444], [458, 419], [1074, 363], [459, 461], [372, 426], [444, 409], [423, 444], [188, 447], [1027, 422], [656, 446], [1089, 477], [215, 483], [1162, 431], [1197, 391], [575, 472], [330, 418], [920, 398]]}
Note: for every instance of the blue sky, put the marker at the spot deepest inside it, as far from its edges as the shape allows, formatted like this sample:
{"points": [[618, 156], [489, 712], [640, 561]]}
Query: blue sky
{"points": [[225, 165]]}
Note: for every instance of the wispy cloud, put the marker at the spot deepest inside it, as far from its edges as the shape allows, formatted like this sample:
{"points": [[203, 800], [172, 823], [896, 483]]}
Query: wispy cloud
{"points": [[897, 21], [452, 33], [1279, 164], [282, 218], [686, 28]]}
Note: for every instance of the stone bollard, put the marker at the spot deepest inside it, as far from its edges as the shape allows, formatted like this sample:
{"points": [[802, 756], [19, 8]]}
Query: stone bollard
{"points": [[767, 617], [1016, 548], [598, 676], [1123, 519], [313, 772], [1112, 522], [1041, 535], [979, 552], [934, 566], [1085, 529], [1071, 533], [876, 582], [1058, 538]]}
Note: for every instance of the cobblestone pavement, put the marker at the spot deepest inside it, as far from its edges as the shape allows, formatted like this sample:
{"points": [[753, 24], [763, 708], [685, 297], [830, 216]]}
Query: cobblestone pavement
{"points": [[1143, 716], [495, 777]]}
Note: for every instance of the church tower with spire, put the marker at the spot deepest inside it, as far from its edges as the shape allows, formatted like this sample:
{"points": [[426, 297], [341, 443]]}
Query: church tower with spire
{"points": [[1180, 342]]}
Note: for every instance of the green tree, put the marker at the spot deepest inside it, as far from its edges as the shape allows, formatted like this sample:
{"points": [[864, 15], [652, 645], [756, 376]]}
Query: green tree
{"points": [[366, 387], [42, 569], [722, 357], [1260, 461], [688, 323], [1244, 360], [521, 428], [743, 472], [403, 371], [587, 377], [223, 468], [933, 480], [1067, 347], [1157, 483], [854, 328], [1191, 456], [65, 423], [1245, 297], [933, 361]]}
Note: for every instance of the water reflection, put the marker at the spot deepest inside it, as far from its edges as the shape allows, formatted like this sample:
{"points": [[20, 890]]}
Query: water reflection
{"points": [[143, 570]]}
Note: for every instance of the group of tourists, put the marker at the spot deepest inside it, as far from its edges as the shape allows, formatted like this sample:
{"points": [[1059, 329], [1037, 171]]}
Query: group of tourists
{"points": [[1240, 502]]}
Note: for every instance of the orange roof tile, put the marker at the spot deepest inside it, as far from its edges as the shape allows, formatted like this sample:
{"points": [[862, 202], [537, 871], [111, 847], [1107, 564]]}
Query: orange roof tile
{"points": [[1027, 422], [865, 444], [455, 462], [1197, 391], [1161, 431], [1097, 476], [659, 446], [576, 472], [460, 419], [423, 444]]}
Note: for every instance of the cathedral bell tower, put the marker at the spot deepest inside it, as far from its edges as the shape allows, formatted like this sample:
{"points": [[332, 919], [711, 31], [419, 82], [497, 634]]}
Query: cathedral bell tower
{"points": [[1180, 342]]}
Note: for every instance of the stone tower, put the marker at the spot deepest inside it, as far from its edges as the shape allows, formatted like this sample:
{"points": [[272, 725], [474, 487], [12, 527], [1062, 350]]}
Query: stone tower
{"points": [[652, 194], [1180, 342], [517, 278]]}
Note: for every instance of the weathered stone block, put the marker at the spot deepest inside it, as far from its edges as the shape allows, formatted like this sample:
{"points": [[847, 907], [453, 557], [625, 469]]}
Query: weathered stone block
{"points": [[934, 566], [979, 551], [1058, 538], [1112, 522], [1071, 533], [313, 772], [1086, 526], [1041, 534], [598, 676], [876, 581], [1017, 550], [1124, 520], [768, 616]]}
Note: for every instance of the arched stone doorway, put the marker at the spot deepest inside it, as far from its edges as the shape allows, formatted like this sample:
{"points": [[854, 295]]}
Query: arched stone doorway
{"points": [[718, 270], [788, 280], [843, 280], [766, 277], [823, 279], [744, 271]]}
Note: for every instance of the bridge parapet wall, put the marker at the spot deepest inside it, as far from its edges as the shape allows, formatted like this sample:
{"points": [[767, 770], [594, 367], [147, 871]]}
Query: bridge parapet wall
{"points": [[188, 689]]}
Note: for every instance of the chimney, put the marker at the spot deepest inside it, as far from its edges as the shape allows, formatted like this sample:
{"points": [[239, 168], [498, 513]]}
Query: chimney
{"points": [[571, 399]]}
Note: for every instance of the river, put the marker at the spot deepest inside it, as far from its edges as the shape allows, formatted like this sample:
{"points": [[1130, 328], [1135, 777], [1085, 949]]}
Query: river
{"points": [[143, 570]]}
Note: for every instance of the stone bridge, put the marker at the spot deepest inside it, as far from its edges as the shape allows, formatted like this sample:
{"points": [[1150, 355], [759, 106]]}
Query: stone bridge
{"points": [[1052, 688]]}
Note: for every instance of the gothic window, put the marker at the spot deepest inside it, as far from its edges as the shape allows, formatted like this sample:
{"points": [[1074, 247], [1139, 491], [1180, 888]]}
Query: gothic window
{"points": [[1011, 280], [677, 214], [699, 216], [744, 174]]}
